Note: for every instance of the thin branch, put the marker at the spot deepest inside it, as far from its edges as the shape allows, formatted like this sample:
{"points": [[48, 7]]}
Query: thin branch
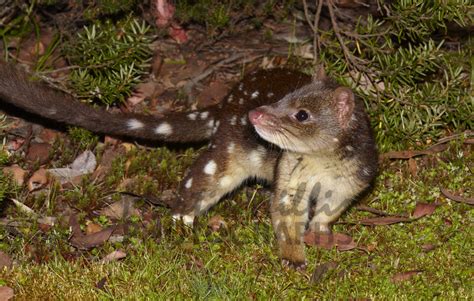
{"points": [[314, 26]]}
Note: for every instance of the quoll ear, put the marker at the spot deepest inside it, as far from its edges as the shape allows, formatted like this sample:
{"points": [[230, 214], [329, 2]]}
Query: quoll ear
{"points": [[320, 74], [344, 103]]}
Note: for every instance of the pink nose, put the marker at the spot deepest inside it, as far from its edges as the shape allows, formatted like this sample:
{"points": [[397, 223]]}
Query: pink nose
{"points": [[256, 117]]}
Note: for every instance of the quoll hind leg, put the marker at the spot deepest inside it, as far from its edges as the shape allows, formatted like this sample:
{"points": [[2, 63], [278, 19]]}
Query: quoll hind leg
{"points": [[212, 175]]}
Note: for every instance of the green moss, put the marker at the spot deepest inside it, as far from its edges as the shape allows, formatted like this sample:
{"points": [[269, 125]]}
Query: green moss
{"points": [[82, 139]]}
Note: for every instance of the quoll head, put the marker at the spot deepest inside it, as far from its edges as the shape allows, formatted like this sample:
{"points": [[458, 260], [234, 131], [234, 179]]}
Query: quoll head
{"points": [[309, 119]]}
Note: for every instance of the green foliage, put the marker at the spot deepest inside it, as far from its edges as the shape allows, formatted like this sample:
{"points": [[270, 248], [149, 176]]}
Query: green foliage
{"points": [[82, 138], [112, 59], [20, 25], [217, 15], [214, 14], [418, 19], [108, 7], [7, 186], [415, 86]]}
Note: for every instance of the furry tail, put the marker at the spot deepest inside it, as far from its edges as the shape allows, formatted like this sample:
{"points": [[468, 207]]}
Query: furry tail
{"points": [[34, 97]]}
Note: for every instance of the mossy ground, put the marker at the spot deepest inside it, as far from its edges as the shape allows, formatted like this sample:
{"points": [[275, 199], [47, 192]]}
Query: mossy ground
{"points": [[241, 262]]}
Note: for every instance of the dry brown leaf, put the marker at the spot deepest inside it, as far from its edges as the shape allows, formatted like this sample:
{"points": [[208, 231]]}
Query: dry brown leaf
{"points": [[92, 228], [428, 247], [5, 261], [101, 284], [122, 209], [114, 256], [212, 94], [38, 152], [105, 165], [342, 241], [403, 276], [407, 154], [366, 208], [384, 220], [216, 223], [85, 162], [17, 173], [39, 179], [15, 144], [47, 220], [92, 240], [457, 198], [412, 167], [6, 293], [74, 224], [144, 90], [321, 270], [49, 136], [423, 209]]}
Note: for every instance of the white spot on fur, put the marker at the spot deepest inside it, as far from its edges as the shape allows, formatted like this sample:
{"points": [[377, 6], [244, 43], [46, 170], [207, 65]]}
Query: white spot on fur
{"points": [[241, 86], [210, 168], [210, 124], [231, 147], [189, 183], [233, 120], [246, 93], [349, 148], [255, 157], [270, 94], [230, 98], [243, 120], [335, 139], [226, 181], [164, 129], [192, 116], [204, 115], [254, 95], [135, 124], [216, 127], [241, 101]]}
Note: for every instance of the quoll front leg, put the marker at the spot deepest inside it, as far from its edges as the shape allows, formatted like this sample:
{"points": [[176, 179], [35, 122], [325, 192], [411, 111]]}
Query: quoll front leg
{"points": [[218, 171], [206, 182], [289, 212]]}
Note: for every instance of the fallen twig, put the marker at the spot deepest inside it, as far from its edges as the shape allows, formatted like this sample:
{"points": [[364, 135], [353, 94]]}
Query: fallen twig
{"points": [[457, 198]]}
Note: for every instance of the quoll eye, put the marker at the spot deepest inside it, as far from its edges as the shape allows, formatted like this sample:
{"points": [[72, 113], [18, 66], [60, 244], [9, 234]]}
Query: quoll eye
{"points": [[302, 115]]}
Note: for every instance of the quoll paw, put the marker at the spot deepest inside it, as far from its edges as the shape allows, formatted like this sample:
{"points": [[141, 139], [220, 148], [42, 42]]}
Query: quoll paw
{"points": [[188, 219], [297, 265]]}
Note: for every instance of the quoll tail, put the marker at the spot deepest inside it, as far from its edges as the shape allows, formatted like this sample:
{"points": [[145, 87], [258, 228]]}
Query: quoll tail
{"points": [[34, 97]]}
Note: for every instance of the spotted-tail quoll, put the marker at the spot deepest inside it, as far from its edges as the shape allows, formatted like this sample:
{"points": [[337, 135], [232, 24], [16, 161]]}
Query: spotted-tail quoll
{"points": [[308, 137]]}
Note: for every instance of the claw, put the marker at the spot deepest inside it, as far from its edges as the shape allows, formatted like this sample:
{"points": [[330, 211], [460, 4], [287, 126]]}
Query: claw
{"points": [[188, 219], [299, 266]]}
